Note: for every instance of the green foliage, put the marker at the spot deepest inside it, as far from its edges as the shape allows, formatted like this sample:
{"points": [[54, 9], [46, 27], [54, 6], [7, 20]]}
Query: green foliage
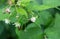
{"points": [[53, 31], [29, 19]]}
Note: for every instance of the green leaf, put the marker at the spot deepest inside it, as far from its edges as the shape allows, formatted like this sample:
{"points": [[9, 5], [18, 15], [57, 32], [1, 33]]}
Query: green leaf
{"points": [[53, 32], [51, 2], [31, 32], [45, 17], [3, 34], [2, 14], [3, 2], [13, 18], [23, 19], [21, 11], [46, 4], [1, 27]]}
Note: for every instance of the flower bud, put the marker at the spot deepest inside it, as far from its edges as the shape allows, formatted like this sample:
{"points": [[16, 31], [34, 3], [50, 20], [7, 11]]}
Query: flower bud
{"points": [[8, 10], [17, 16]]}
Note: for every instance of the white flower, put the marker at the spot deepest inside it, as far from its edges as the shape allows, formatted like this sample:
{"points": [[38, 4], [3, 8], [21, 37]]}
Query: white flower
{"points": [[33, 19], [8, 10], [17, 24], [7, 21]]}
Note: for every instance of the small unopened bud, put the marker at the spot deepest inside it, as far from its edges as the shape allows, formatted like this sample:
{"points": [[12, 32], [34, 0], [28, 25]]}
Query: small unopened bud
{"points": [[17, 16], [7, 21], [33, 19], [10, 2]]}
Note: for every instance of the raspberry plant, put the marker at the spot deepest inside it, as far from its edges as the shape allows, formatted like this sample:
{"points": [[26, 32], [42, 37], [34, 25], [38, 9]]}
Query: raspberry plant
{"points": [[29, 19]]}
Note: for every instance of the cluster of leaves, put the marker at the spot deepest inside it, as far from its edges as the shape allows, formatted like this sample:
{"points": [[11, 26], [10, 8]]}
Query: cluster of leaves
{"points": [[29, 19]]}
